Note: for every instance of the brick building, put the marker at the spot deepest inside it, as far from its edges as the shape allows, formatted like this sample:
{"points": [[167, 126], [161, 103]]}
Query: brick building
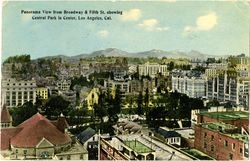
{"points": [[223, 135]]}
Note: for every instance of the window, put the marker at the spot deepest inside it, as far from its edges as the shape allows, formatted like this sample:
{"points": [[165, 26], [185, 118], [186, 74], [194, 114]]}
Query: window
{"points": [[233, 146], [81, 156], [212, 138], [205, 135], [241, 150], [205, 145], [68, 157], [212, 148], [230, 156], [225, 143]]}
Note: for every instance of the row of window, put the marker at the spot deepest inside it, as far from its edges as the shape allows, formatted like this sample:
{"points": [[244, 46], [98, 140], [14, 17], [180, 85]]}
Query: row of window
{"points": [[19, 84], [225, 143]]}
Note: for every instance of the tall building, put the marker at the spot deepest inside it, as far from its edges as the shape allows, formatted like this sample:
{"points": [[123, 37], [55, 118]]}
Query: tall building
{"points": [[15, 92], [226, 85], [189, 84], [153, 69]]}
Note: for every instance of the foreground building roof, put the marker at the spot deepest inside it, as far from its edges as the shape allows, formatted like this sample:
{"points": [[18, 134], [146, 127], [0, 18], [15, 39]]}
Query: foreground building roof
{"points": [[31, 132]]}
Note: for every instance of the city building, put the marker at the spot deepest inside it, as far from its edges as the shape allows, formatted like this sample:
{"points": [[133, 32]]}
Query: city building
{"points": [[93, 97], [68, 95], [243, 89], [17, 92], [127, 127], [63, 85], [170, 136], [89, 139], [195, 112], [113, 84], [40, 138], [222, 66], [138, 147], [152, 70], [227, 86], [42, 92], [239, 59], [223, 135], [190, 84], [221, 141]]}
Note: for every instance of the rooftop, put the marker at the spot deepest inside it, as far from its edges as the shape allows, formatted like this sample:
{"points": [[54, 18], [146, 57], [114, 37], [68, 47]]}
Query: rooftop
{"points": [[218, 126], [241, 137], [138, 146], [232, 115]]}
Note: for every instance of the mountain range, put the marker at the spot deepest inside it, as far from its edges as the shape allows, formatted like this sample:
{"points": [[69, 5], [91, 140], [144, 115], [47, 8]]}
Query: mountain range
{"points": [[109, 52]]}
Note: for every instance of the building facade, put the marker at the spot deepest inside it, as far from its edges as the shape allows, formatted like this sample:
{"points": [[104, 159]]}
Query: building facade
{"points": [[191, 86], [42, 92], [221, 141], [223, 135], [152, 70], [15, 92]]}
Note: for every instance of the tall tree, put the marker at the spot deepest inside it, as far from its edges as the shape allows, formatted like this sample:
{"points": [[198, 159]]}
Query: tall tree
{"points": [[55, 106], [139, 104], [22, 113]]}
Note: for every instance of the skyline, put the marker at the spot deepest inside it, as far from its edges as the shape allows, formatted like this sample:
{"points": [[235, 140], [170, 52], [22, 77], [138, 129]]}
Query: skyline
{"points": [[213, 28]]}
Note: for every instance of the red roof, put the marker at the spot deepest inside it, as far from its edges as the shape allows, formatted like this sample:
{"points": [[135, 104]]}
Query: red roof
{"points": [[35, 129], [6, 135], [5, 115]]}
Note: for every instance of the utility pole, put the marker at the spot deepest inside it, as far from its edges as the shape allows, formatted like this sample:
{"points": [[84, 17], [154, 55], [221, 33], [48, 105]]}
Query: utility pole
{"points": [[99, 145]]}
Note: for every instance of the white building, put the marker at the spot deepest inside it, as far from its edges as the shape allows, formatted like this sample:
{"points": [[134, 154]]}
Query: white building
{"points": [[15, 92], [228, 86], [191, 86], [63, 85], [153, 69]]}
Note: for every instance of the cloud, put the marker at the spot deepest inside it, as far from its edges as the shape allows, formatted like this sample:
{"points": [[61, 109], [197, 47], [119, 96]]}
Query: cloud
{"points": [[149, 24], [203, 23], [207, 22], [103, 33], [189, 32], [131, 15], [152, 25], [162, 28]]}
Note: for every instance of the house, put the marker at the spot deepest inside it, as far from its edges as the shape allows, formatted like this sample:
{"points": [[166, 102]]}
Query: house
{"points": [[89, 139], [171, 136]]}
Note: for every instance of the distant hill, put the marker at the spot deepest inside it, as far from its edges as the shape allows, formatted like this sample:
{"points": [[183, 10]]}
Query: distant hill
{"points": [[109, 52]]}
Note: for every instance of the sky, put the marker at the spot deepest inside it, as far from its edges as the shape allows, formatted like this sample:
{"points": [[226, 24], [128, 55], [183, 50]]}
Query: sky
{"points": [[215, 28]]}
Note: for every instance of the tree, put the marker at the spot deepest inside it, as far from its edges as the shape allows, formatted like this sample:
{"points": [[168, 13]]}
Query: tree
{"points": [[171, 66], [146, 98], [115, 107], [22, 113], [55, 106], [99, 109], [139, 104]]}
